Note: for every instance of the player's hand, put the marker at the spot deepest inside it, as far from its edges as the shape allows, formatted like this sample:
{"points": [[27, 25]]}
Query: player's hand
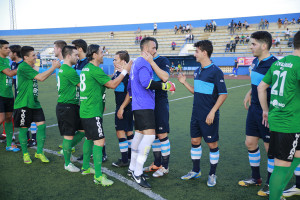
{"points": [[210, 118], [247, 100], [168, 86], [119, 68], [265, 119], [147, 56], [181, 78], [128, 66], [56, 64], [120, 113]]}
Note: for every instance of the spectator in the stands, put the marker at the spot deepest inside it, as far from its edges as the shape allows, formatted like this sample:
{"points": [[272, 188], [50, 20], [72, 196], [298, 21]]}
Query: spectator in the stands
{"points": [[154, 29], [183, 29], [286, 23], [231, 39], [187, 37], [227, 49], [239, 25], [214, 25], [293, 21], [180, 29], [206, 29], [112, 34], [261, 24], [191, 28], [38, 55], [187, 28], [233, 46], [242, 39], [277, 41], [103, 49], [235, 26], [246, 25], [136, 39], [237, 38], [231, 27], [247, 39], [210, 27], [191, 38], [175, 29], [138, 31], [173, 45], [290, 42], [279, 23], [287, 34], [298, 20], [140, 38], [267, 23]]}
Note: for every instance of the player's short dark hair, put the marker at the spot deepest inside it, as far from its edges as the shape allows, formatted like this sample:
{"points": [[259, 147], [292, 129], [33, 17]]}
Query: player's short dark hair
{"points": [[91, 49], [25, 50], [2, 42], [80, 43], [263, 37], [205, 45], [123, 55], [145, 41], [67, 50], [296, 40], [16, 49], [60, 44]]}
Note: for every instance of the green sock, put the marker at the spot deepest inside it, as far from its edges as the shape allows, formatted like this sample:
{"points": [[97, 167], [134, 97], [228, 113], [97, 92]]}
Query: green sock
{"points": [[40, 138], [9, 133], [277, 182], [67, 147], [97, 155], [87, 152], [23, 139], [77, 138]]}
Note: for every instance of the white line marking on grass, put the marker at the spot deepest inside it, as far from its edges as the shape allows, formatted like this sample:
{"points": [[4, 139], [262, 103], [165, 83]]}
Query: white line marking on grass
{"points": [[117, 176]]}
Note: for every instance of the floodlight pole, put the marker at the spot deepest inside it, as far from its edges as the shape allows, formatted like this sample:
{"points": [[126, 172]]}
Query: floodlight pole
{"points": [[12, 14]]}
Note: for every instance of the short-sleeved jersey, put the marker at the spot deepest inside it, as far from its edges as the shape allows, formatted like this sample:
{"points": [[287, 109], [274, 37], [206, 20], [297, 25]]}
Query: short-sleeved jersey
{"points": [[121, 90], [80, 65], [67, 81], [27, 87], [5, 81], [164, 64], [92, 89], [257, 74], [140, 77], [14, 65], [284, 113], [208, 85]]}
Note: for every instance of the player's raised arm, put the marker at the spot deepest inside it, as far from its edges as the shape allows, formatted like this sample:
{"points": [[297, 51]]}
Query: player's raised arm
{"points": [[114, 83], [182, 79], [43, 76]]}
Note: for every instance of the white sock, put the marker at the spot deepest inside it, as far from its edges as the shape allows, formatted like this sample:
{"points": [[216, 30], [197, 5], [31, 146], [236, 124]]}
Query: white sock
{"points": [[143, 149], [134, 149]]}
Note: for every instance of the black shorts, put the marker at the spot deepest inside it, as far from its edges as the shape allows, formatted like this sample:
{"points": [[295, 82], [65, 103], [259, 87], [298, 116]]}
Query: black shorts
{"points": [[125, 124], [93, 128], [144, 119], [23, 117], [68, 119], [162, 116], [283, 146], [6, 104]]}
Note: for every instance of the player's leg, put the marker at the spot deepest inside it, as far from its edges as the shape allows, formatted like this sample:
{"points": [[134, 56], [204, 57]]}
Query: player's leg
{"points": [[285, 148], [33, 129], [295, 190], [138, 136], [165, 153], [130, 136], [9, 133], [123, 146], [196, 150]]}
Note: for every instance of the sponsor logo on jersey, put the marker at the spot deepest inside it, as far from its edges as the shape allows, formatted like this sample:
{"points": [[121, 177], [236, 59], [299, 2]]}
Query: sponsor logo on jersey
{"points": [[276, 104], [282, 64]]}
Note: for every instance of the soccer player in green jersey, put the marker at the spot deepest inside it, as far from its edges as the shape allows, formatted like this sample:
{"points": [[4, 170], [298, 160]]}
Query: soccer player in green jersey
{"points": [[6, 95], [67, 109], [283, 117], [93, 82], [27, 108]]}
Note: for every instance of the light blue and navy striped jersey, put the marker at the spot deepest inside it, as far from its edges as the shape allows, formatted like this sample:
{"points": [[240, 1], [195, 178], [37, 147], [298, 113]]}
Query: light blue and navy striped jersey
{"points": [[121, 90], [164, 64], [258, 73], [14, 65], [80, 64], [208, 85]]}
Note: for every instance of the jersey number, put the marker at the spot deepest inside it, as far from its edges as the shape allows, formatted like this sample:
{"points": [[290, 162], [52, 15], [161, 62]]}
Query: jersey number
{"points": [[274, 89], [82, 84]]}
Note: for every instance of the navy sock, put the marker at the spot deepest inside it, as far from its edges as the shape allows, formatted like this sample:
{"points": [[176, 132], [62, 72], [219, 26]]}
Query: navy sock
{"points": [[254, 166], [129, 139], [124, 153], [196, 155], [214, 159], [103, 151]]}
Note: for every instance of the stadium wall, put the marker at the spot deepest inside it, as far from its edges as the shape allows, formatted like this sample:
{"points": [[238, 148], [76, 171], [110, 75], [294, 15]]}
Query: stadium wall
{"points": [[146, 26]]}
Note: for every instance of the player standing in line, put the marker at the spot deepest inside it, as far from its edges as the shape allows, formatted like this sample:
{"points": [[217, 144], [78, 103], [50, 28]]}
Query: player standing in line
{"points": [[93, 82], [81, 47], [6, 95], [283, 116], [27, 108], [67, 109], [261, 42], [141, 88], [15, 56], [161, 144], [209, 94], [123, 126]]}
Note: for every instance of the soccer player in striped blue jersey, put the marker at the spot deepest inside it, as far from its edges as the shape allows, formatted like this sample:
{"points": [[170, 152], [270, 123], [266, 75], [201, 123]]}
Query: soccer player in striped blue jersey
{"points": [[209, 94], [261, 42]]}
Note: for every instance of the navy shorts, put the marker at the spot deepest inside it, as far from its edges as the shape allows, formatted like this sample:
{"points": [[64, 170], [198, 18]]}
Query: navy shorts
{"points": [[161, 112], [125, 124], [199, 128], [254, 126]]}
